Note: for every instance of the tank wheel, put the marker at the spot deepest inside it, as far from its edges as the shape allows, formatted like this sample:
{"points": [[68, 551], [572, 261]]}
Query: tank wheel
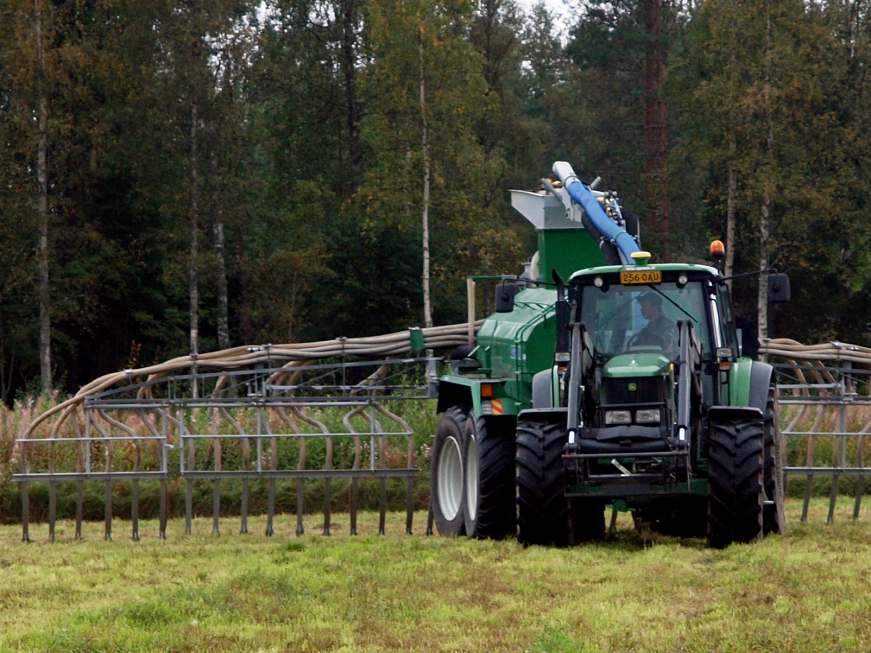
{"points": [[735, 498], [773, 517], [542, 508], [489, 478], [446, 484]]}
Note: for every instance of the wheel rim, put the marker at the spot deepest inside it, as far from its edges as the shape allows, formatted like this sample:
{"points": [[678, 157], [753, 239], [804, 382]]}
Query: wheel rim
{"points": [[450, 478], [472, 479]]}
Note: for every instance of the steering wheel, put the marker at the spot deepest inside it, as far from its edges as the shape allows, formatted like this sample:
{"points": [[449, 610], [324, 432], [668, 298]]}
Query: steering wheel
{"points": [[643, 340]]}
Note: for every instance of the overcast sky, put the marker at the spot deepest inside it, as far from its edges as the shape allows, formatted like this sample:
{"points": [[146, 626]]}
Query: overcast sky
{"points": [[559, 8]]}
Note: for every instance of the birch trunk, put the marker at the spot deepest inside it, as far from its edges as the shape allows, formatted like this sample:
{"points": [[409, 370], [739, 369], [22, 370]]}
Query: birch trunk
{"points": [[427, 306], [732, 191], [221, 282], [193, 287], [767, 192], [656, 126], [349, 70], [731, 198], [42, 210]]}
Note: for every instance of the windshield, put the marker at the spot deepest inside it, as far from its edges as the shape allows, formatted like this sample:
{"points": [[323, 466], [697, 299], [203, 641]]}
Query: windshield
{"points": [[624, 319]]}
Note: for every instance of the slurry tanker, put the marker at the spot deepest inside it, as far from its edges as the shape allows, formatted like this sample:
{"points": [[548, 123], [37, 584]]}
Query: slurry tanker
{"points": [[605, 378]]}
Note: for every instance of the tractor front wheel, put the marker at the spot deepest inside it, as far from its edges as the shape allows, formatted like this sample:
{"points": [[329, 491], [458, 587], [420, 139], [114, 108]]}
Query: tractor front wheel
{"points": [[489, 477], [542, 508], [735, 499], [446, 490]]}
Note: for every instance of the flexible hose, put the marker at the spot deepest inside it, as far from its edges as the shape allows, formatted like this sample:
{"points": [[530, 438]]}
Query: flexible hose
{"points": [[390, 344]]}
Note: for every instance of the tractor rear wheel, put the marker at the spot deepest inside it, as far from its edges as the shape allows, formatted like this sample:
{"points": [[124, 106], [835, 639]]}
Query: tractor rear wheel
{"points": [[489, 478], [773, 518], [735, 499], [542, 508], [446, 484]]}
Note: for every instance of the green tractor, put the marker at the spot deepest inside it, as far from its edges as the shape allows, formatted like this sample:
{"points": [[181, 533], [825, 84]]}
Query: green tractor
{"points": [[605, 379]]}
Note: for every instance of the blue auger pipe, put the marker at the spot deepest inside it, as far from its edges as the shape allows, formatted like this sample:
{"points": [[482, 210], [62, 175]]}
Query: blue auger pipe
{"points": [[607, 228]]}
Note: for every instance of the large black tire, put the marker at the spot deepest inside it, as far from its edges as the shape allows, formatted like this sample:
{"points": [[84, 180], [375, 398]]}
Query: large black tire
{"points": [[773, 517], [488, 482], [735, 498], [447, 498], [542, 508]]}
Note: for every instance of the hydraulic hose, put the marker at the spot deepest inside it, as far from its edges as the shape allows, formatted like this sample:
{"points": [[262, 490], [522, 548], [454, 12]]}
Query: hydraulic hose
{"points": [[390, 344], [606, 228]]}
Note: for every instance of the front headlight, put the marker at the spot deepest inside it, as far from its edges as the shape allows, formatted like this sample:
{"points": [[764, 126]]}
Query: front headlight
{"points": [[647, 416], [618, 417]]}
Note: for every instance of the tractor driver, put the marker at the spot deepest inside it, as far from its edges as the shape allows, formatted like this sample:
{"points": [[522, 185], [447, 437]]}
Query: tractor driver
{"points": [[659, 330]]}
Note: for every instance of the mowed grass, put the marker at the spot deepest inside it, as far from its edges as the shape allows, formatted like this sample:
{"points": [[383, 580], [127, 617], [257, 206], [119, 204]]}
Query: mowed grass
{"points": [[809, 590]]}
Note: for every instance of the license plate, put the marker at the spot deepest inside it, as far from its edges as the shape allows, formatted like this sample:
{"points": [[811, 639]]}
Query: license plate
{"points": [[640, 277]]}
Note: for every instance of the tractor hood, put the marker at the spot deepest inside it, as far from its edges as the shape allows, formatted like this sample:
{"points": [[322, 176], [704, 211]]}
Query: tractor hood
{"points": [[638, 364]]}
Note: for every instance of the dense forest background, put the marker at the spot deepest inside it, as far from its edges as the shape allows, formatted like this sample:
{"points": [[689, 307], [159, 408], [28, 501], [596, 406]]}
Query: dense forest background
{"points": [[181, 175]]}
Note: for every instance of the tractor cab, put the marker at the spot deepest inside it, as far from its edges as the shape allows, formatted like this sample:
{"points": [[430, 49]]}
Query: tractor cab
{"points": [[646, 352]]}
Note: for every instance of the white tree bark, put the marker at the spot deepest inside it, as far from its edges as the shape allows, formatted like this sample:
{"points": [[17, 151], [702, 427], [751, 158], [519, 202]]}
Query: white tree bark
{"points": [[767, 191], [42, 208], [221, 282], [193, 283], [731, 198], [427, 303]]}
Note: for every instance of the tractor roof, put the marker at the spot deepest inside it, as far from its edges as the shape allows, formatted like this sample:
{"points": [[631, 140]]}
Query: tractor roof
{"points": [[664, 267]]}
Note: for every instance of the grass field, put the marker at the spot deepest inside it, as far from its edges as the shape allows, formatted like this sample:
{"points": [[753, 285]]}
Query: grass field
{"points": [[809, 590]]}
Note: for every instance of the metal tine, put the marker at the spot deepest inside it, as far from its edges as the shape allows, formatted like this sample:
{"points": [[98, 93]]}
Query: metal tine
{"points": [[134, 510], [162, 523], [134, 499], [25, 511], [328, 482], [80, 499], [191, 464], [837, 446], [243, 508], [214, 423], [184, 451], [301, 464], [328, 464], [246, 456], [379, 463], [270, 507], [188, 505], [348, 421], [809, 457], [216, 507], [799, 414], [107, 512], [273, 464], [164, 467], [860, 463], [52, 510], [52, 496], [409, 462], [429, 520], [79, 484]]}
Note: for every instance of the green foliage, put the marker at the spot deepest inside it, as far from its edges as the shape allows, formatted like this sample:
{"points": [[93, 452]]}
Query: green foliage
{"points": [[309, 158]]}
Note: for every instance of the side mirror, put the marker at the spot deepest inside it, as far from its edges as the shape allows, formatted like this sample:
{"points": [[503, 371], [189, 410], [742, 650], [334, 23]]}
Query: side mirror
{"points": [[778, 288], [505, 293]]}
